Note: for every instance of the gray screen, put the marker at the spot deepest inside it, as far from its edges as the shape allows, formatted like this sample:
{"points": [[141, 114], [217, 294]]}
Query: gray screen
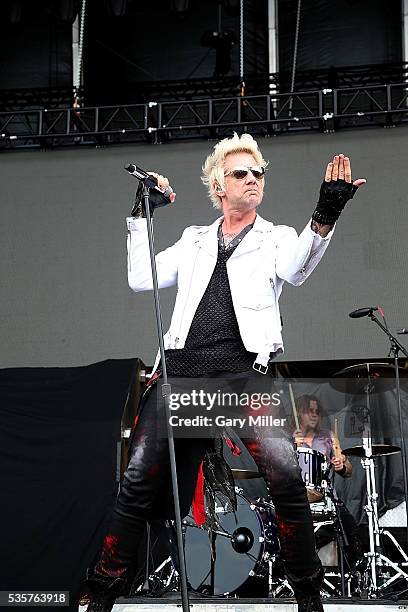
{"points": [[65, 299]]}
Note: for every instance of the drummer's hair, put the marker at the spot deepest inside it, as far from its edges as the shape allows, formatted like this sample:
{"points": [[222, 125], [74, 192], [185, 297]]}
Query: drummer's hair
{"points": [[213, 168], [303, 404]]}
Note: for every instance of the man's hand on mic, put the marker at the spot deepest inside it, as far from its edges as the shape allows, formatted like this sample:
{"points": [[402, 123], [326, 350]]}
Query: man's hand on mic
{"points": [[163, 183], [156, 200]]}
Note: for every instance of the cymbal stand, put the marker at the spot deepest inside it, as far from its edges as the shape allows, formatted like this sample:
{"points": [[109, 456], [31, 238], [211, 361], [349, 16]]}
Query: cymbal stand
{"points": [[395, 348], [375, 557], [371, 507]]}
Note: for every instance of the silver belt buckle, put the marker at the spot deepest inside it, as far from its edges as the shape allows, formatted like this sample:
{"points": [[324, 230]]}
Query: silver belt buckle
{"points": [[258, 367]]}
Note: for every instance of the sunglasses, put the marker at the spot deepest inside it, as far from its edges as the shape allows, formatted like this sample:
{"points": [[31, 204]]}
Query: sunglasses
{"points": [[240, 172]]}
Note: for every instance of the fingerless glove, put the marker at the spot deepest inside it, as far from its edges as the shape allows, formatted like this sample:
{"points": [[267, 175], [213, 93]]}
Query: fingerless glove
{"points": [[333, 197]]}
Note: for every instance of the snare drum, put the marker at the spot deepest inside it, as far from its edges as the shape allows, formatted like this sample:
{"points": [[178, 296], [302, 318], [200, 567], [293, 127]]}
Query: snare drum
{"points": [[312, 464]]}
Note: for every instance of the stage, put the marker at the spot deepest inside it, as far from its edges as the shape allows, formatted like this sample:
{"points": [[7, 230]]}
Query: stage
{"points": [[251, 605]]}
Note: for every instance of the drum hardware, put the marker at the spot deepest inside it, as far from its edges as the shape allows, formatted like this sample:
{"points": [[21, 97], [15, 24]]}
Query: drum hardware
{"points": [[312, 465], [377, 450], [242, 540], [341, 537], [146, 375], [163, 579], [371, 378], [403, 554], [320, 524], [377, 562], [243, 546], [244, 474], [353, 380], [329, 588], [242, 549], [323, 510], [315, 474], [258, 547], [332, 584]]}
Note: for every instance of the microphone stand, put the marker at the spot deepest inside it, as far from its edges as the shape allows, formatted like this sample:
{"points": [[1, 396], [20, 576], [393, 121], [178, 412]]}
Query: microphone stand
{"points": [[396, 346], [166, 391]]}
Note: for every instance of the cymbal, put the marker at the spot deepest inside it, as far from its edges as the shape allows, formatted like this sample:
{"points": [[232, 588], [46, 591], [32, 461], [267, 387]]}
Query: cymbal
{"points": [[244, 474], [354, 379], [378, 450]]}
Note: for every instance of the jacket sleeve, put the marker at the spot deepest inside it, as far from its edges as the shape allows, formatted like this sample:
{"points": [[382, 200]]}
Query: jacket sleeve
{"points": [[139, 268], [297, 256]]}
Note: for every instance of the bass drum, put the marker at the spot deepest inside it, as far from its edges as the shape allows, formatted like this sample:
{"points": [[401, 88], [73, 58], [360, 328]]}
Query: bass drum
{"points": [[242, 544]]}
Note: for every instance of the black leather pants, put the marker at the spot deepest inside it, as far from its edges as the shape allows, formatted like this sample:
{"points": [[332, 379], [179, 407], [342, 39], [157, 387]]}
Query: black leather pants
{"points": [[146, 491], [145, 495]]}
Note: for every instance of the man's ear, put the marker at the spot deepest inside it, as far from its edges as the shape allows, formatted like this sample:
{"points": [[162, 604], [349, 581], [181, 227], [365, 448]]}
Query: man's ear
{"points": [[218, 189]]}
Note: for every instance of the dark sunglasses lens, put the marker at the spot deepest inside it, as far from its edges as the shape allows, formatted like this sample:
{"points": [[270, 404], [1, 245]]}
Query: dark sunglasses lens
{"points": [[258, 174], [239, 174]]}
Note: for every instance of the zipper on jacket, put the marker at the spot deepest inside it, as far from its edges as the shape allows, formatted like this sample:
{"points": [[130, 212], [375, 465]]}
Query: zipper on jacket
{"points": [[307, 262], [276, 300], [273, 288], [176, 340], [129, 250]]}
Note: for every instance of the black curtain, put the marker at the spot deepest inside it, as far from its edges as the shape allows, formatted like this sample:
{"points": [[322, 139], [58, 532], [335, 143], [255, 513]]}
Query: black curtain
{"points": [[341, 33], [59, 436]]}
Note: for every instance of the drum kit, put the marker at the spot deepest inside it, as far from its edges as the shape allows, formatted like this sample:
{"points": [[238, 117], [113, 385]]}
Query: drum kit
{"points": [[368, 379], [239, 553]]}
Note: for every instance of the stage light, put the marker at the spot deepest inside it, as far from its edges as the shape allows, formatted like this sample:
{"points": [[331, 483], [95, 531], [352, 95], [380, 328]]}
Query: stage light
{"points": [[179, 8], [68, 10], [15, 11], [118, 8], [231, 7], [222, 42]]}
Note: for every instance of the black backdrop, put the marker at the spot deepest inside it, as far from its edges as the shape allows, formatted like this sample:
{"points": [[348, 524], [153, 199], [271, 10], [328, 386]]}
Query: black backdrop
{"points": [[59, 429]]}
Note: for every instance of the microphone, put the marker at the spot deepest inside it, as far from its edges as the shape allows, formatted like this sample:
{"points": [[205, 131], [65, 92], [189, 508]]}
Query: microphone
{"points": [[362, 312], [162, 197]]}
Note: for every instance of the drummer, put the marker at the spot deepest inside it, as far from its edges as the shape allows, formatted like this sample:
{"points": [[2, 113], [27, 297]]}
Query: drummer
{"points": [[311, 434]]}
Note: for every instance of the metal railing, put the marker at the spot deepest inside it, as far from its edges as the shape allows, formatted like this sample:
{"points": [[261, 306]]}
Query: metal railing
{"points": [[320, 110]]}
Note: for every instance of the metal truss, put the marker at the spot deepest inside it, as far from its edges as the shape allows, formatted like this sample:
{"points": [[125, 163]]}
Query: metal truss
{"points": [[320, 110]]}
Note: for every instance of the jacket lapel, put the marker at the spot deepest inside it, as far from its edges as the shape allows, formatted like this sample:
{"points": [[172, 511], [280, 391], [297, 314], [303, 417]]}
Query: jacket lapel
{"points": [[253, 240], [207, 238]]}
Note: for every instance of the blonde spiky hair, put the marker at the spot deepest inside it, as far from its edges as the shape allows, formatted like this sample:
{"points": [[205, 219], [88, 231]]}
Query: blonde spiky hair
{"points": [[213, 168]]}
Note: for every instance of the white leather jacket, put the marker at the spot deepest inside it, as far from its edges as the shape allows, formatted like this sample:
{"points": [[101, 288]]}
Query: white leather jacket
{"points": [[269, 255]]}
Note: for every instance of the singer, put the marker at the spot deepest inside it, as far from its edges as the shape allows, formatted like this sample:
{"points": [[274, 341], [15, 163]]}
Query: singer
{"points": [[226, 323]]}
